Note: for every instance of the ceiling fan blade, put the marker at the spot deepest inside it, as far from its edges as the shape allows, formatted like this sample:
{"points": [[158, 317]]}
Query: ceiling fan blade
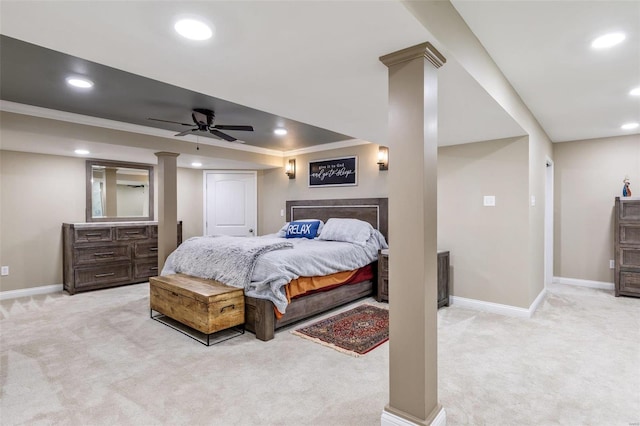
{"points": [[226, 127], [167, 121], [221, 135], [186, 132]]}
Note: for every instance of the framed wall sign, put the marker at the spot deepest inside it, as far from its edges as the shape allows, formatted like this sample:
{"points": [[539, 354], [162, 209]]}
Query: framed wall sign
{"points": [[334, 172]]}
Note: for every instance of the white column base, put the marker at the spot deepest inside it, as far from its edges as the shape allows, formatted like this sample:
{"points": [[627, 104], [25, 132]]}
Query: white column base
{"points": [[390, 419]]}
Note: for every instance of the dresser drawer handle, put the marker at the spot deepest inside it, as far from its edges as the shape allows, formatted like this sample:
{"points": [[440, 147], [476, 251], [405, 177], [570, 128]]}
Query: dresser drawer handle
{"points": [[153, 249], [110, 274], [153, 268], [132, 232], [228, 306], [93, 234], [107, 253]]}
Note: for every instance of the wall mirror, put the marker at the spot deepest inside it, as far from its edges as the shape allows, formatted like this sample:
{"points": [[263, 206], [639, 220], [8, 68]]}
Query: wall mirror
{"points": [[118, 191]]}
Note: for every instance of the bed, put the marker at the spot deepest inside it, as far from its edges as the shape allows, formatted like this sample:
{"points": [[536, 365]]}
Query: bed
{"points": [[267, 266]]}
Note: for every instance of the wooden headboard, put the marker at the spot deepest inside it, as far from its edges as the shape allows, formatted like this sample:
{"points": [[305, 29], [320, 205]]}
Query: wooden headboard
{"points": [[372, 210]]}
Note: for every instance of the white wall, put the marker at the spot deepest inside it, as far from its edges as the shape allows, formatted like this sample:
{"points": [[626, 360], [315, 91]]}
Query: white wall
{"points": [[275, 187], [588, 177], [488, 245], [41, 192]]}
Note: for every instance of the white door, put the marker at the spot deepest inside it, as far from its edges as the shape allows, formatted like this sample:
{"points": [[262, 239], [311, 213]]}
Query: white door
{"points": [[230, 203]]}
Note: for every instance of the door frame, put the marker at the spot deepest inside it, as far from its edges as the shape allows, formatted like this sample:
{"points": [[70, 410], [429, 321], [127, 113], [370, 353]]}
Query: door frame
{"points": [[548, 221], [205, 173]]}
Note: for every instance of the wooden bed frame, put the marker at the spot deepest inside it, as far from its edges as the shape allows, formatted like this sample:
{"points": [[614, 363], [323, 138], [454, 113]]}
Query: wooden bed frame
{"points": [[259, 315]]}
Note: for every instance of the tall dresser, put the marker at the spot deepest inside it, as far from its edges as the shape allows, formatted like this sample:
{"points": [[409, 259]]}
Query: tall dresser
{"points": [[627, 246], [102, 255]]}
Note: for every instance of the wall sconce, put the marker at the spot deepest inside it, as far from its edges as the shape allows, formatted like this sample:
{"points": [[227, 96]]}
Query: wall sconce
{"points": [[290, 170], [383, 158]]}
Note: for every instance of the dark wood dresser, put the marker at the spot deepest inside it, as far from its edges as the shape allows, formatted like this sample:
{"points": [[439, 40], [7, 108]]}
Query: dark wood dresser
{"points": [[443, 277], [102, 255], [627, 246]]}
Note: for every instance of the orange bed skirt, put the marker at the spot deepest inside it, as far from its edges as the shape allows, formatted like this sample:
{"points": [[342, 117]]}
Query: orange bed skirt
{"points": [[307, 285]]}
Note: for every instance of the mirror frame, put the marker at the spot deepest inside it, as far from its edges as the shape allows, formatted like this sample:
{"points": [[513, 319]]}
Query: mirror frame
{"points": [[88, 209]]}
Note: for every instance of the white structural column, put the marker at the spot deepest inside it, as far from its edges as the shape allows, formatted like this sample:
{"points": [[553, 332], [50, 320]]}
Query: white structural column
{"points": [[413, 156], [167, 205]]}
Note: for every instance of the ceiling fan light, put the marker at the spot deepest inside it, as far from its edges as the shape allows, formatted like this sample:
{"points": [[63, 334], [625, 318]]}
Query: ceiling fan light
{"points": [[280, 131], [193, 29], [630, 126], [607, 40], [81, 83], [635, 91], [196, 164], [81, 151]]}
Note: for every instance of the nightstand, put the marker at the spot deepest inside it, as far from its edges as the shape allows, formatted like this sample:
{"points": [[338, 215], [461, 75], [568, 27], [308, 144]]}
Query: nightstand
{"points": [[443, 277], [383, 276]]}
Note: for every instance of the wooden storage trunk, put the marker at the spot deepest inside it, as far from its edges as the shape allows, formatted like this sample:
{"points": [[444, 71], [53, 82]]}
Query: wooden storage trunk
{"points": [[205, 305]]}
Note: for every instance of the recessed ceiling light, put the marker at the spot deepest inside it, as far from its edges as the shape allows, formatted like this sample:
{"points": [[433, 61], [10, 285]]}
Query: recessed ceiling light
{"points": [[280, 131], [607, 40], [196, 164], [635, 92], [82, 83], [630, 126], [193, 29], [81, 151]]}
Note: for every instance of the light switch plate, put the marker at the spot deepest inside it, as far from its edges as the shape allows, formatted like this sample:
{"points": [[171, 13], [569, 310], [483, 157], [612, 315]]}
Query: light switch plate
{"points": [[489, 200], [612, 264], [4, 271], [533, 200]]}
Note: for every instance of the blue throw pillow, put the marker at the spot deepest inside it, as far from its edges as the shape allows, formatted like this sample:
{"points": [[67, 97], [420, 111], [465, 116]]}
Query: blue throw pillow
{"points": [[302, 230]]}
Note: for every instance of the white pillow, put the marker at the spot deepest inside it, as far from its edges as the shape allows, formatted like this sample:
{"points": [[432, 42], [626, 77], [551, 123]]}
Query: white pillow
{"points": [[282, 233], [347, 230]]}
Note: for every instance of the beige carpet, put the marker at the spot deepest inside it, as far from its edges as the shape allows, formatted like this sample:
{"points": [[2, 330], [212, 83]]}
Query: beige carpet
{"points": [[97, 359]]}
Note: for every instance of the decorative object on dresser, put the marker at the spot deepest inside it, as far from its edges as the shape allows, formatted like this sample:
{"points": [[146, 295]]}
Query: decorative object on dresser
{"points": [[207, 306], [443, 277], [102, 255], [627, 246]]}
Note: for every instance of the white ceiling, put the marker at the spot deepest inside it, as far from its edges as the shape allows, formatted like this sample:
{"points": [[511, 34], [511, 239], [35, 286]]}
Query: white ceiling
{"points": [[317, 62], [544, 50]]}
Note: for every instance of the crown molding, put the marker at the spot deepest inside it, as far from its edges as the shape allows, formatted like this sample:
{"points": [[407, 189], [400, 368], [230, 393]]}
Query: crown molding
{"points": [[423, 50], [71, 117], [325, 147]]}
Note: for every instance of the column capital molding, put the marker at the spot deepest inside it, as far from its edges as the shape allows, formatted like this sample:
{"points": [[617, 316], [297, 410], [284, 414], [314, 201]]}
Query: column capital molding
{"points": [[166, 154], [423, 50]]}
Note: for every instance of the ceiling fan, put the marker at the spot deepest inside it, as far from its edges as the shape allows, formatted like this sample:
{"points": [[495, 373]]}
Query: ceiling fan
{"points": [[203, 120]]}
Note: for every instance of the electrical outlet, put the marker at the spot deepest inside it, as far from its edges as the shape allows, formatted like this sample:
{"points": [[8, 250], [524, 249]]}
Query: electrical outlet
{"points": [[281, 212], [4, 271], [489, 201], [612, 264]]}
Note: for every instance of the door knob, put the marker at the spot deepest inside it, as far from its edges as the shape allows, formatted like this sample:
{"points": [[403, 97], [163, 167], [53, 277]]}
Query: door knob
{"points": [[251, 230]]}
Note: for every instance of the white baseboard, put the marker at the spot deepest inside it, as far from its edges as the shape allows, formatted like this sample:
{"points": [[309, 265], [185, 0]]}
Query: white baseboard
{"points": [[390, 419], [32, 291], [584, 283], [497, 308], [536, 303]]}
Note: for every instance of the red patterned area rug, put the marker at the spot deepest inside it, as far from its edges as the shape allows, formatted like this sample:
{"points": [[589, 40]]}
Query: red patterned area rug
{"points": [[355, 332]]}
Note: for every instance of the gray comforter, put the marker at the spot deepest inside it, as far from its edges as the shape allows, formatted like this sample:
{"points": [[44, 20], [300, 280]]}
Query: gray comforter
{"points": [[275, 261]]}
